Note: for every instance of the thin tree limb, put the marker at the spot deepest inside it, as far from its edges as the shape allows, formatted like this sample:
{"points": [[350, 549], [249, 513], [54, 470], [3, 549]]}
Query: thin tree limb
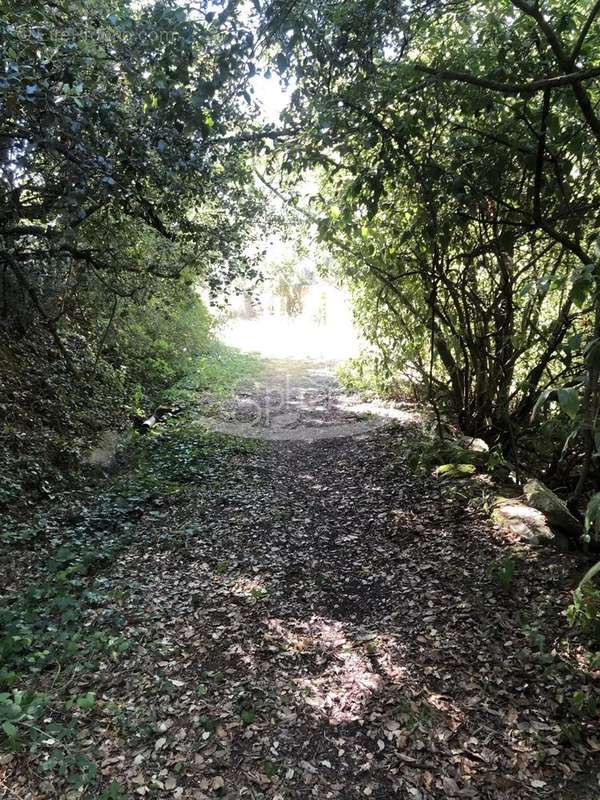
{"points": [[569, 79]]}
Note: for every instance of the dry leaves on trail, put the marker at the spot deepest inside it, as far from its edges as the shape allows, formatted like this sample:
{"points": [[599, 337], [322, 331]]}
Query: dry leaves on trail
{"points": [[311, 620]]}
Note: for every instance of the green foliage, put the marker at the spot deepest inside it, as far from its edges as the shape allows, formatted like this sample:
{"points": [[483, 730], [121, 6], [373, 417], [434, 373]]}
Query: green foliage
{"points": [[159, 341], [584, 704], [568, 399], [455, 470], [248, 716], [258, 593], [174, 457], [45, 632], [503, 572], [125, 182], [592, 518], [534, 636], [271, 769], [459, 198], [289, 278], [449, 458], [18, 710], [370, 374], [218, 370], [114, 792], [571, 733], [135, 92], [584, 612]]}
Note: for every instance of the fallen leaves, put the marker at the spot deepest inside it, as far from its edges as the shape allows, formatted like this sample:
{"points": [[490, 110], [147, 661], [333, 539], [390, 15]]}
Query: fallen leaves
{"points": [[217, 783], [291, 638]]}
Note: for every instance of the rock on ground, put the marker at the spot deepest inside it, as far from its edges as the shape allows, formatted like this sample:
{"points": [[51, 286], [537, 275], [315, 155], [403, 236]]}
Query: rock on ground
{"points": [[556, 512]]}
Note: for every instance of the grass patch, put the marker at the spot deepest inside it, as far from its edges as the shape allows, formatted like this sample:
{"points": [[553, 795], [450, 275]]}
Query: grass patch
{"points": [[218, 372]]}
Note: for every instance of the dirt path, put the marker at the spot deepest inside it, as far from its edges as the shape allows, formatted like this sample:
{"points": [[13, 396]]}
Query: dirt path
{"points": [[296, 400], [309, 620]]}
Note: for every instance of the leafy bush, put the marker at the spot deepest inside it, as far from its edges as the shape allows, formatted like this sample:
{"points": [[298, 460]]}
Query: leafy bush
{"points": [[452, 459], [159, 339], [584, 612], [369, 374]]}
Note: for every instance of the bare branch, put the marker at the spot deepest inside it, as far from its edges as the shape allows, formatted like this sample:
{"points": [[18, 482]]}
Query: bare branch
{"points": [[512, 88]]}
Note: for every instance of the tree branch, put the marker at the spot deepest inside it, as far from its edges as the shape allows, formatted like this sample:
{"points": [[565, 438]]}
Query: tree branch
{"points": [[569, 79], [539, 162], [29, 290], [534, 12], [564, 61], [584, 32]]}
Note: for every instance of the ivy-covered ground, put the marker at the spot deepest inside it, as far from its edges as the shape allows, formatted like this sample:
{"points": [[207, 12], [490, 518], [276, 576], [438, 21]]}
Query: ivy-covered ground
{"points": [[286, 616]]}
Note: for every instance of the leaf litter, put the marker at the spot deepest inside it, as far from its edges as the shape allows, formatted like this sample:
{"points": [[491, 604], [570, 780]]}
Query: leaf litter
{"points": [[309, 619]]}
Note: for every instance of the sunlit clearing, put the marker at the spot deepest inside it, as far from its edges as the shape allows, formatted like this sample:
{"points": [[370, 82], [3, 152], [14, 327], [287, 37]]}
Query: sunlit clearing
{"points": [[319, 327]]}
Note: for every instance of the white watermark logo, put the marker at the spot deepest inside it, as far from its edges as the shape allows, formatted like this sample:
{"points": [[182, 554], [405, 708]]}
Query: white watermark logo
{"points": [[308, 408]]}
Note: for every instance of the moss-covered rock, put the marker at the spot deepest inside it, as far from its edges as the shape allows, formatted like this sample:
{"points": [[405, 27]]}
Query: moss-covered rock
{"points": [[557, 514]]}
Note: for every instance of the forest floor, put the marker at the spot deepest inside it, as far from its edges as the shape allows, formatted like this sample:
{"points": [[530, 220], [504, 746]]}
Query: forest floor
{"points": [[264, 601]]}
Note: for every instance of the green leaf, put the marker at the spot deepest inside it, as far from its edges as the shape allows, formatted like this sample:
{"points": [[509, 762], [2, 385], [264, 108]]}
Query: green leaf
{"points": [[569, 402], [542, 400], [87, 700], [270, 769], [592, 513], [581, 291], [455, 470], [589, 575], [248, 716], [582, 285], [204, 92], [9, 729]]}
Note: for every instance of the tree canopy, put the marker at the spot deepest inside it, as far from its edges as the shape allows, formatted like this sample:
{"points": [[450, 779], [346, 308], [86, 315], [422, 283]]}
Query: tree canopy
{"points": [[355, 607], [120, 162], [456, 148], [451, 149]]}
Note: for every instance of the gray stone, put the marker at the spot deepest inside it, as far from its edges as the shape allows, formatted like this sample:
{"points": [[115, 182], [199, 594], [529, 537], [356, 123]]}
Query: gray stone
{"points": [[557, 514], [523, 521], [474, 444], [104, 452]]}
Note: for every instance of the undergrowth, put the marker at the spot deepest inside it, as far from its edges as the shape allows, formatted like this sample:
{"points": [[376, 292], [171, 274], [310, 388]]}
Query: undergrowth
{"points": [[62, 625], [218, 370]]}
